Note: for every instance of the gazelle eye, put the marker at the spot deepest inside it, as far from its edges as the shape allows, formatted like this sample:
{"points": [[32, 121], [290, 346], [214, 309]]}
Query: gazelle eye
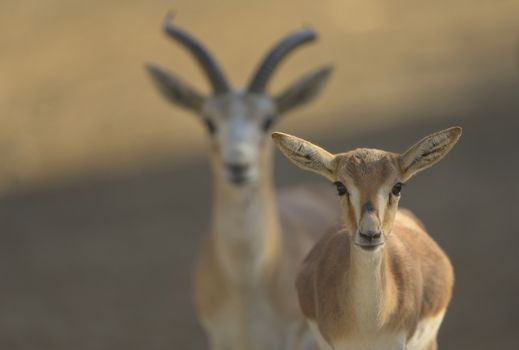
{"points": [[341, 189], [211, 127], [268, 123], [397, 189]]}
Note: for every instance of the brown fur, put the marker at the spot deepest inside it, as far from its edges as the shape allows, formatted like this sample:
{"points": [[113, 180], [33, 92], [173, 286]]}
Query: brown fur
{"points": [[243, 290], [415, 263], [288, 251], [288, 239], [381, 274]]}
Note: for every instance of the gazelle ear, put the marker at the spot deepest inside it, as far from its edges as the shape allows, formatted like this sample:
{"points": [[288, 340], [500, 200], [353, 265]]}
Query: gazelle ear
{"points": [[303, 90], [428, 151], [175, 90], [306, 155]]}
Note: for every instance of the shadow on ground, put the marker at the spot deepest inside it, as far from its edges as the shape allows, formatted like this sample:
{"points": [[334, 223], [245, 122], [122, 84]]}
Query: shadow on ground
{"points": [[106, 264]]}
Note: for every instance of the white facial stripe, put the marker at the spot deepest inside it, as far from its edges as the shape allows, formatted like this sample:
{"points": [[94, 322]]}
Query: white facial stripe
{"points": [[239, 141], [238, 118], [383, 197], [381, 203], [355, 200]]}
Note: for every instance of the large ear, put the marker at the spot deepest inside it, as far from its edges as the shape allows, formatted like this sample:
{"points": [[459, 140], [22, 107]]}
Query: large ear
{"points": [[175, 90], [306, 155], [303, 90], [428, 151]]}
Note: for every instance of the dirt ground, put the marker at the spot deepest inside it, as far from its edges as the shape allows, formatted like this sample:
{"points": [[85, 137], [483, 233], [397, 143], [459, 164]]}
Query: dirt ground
{"points": [[106, 188], [75, 98], [105, 263]]}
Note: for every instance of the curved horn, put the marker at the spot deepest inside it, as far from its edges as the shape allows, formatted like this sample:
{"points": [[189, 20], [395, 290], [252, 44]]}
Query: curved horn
{"points": [[201, 54], [264, 71]]}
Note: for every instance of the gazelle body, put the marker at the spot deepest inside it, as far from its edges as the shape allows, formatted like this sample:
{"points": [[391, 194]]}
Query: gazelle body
{"points": [[244, 291], [379, 281]]}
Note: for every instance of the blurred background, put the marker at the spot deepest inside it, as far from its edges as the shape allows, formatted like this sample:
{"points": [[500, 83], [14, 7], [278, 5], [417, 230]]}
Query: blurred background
{"points": [[105, 187]]}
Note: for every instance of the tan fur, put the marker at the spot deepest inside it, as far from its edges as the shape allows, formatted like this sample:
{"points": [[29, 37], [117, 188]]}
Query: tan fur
{"points": [[376, 298], [244, 279], [414, 291], [305, 154], [428, 151], [260, 285]]}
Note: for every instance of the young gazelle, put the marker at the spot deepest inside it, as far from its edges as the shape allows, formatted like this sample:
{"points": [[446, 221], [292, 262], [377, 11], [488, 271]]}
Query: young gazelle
{"points": [[380, 281], [244, 292]]}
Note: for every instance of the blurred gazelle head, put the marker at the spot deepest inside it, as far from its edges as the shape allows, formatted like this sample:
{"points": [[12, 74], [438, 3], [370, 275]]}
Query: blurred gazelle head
{"points": [[238, 120]]}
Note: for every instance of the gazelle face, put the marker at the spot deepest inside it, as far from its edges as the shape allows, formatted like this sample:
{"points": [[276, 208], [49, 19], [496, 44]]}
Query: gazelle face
{"points": [[238, 120], [368, 183], [238, 123]]}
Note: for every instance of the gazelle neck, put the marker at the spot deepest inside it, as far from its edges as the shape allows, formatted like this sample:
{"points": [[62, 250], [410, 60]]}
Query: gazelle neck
{"points": [[245, 226], [370, 288]]}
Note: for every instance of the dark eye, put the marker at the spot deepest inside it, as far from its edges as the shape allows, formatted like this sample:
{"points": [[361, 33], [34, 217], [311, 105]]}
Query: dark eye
{"points": [[210, 126], [267, 123], [397, 189], [341, 189]]}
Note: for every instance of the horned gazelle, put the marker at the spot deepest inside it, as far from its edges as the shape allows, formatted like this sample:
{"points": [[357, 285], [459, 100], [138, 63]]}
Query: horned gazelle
{"points": [[380, 281], [244, 291]]}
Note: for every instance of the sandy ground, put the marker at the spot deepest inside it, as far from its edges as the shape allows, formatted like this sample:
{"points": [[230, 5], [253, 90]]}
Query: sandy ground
{"points": [[106, 188]]}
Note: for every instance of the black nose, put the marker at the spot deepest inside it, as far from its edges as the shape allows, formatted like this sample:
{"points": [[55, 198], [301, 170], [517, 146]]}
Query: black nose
{"points": [[370, 235], [237, 169]]}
